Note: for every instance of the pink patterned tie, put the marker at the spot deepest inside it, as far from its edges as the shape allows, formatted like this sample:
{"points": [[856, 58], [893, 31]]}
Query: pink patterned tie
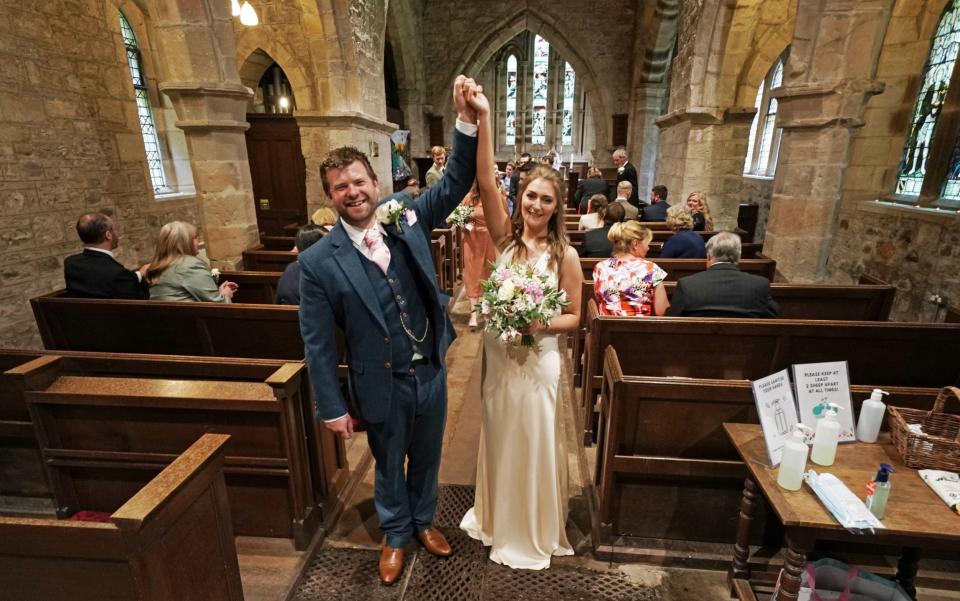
{"points": [[379, 253]]}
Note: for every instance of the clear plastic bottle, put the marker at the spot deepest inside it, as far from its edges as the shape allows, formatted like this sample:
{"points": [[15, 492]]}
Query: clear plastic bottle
{"points": [[871, 416], [794, 460], [880, 491], [825, 440]]}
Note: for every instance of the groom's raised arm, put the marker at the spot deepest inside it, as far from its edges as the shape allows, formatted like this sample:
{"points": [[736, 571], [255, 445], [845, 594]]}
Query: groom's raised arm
{"points": [[438, 202]]}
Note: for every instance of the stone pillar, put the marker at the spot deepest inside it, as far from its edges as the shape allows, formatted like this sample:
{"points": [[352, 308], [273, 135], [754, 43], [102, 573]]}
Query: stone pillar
{"points": [[411, 102], [319, 134], [648, 102], [196, 43], [703, 149], [828, 80]]}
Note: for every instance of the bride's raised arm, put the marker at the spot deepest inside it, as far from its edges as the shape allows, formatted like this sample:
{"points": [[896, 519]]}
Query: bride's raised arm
{"points": [[494, 211]]}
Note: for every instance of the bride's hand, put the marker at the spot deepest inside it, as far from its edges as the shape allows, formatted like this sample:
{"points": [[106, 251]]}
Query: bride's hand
{"points": [[534, 327]]}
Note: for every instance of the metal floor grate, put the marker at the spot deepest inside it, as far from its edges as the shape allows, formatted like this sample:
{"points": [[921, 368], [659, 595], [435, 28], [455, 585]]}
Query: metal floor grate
{"points": [[452, 504], [339, 574]]}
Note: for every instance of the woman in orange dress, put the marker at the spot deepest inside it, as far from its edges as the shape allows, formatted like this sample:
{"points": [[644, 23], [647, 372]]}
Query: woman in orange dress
{"points": [[479, 252]]}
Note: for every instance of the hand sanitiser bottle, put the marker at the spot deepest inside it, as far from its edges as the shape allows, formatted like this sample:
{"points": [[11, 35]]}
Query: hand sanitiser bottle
{"points": [[794, 461], [871, 416], [825, 440], [878, 491]]}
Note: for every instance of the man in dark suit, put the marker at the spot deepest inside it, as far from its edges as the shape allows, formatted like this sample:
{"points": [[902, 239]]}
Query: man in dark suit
{"points": [[657, 209], [626, 172], [723, 290], [372, 277], [288, 288], [590, 185], [95, 273], [596, 245]]}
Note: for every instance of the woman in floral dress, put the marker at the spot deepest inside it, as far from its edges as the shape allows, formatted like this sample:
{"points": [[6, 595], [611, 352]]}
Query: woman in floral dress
{"points": [[626, 284]]}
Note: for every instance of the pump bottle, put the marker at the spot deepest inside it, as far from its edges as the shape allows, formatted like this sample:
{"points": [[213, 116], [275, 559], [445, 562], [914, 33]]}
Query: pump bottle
{"points": [[871, 416], [794, 460], [879, 491], [825, 440]]}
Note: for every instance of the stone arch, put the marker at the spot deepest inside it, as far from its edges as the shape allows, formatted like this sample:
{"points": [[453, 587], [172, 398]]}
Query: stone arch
{"points": [[255, 53], [405, 41], [762, 52], [489, 41]]}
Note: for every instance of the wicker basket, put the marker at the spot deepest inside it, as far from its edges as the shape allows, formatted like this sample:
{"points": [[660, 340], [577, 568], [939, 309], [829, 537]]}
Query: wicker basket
{"points": [[939, 445]]}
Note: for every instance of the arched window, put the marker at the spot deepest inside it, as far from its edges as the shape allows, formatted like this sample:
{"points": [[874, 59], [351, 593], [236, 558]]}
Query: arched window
{"points": [[511, 118], [147, 125], [923, 176], [763, 145], [541, 77], [569, 83]]}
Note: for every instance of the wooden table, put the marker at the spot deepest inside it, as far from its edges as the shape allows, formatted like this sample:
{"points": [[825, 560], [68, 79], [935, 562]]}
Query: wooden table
{"points": [[915, 518]]}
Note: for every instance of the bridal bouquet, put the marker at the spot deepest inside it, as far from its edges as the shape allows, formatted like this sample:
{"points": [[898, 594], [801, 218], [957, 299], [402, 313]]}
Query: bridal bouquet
{"points": [[514, 297], [461, 217]]}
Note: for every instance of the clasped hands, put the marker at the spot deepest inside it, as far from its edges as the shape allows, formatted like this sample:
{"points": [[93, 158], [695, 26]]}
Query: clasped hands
{"points": [[469, 100]]}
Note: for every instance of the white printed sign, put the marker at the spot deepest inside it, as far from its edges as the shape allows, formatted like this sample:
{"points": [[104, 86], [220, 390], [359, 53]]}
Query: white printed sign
{"points": [[819, 384], [777, 412]]}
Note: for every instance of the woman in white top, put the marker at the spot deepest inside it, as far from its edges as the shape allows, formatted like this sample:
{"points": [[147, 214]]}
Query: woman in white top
{"points": [[598, 208]]}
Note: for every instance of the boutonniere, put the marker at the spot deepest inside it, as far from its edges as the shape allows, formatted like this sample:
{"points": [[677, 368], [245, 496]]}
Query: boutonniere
{"points": [[215, 273], [394, 211], [619, 169]]}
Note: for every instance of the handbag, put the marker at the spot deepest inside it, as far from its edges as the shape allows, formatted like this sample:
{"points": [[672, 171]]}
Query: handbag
{"points": [[832, 580]]}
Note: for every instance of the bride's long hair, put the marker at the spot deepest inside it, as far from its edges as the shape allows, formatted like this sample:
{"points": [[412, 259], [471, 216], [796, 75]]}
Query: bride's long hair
{"points": [[557, 240]]}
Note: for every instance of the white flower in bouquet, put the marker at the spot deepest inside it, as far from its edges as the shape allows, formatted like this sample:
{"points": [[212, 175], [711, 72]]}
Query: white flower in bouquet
{"points": [[215, 273], [515, 297], [461, 217]]}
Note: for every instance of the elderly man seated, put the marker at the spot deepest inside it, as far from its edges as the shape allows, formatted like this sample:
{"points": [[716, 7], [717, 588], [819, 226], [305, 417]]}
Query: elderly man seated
{"points": [[723, 290]]}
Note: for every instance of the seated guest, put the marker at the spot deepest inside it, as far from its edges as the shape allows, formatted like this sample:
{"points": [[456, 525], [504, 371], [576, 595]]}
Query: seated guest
{"points": [[288, 288], [627, 284], [657, 209], [684, 243], [596, 243], [95, 273], [624, 189], [594, 219], [697, 203], [325, 217], [592, 184], [723, 290], [176, 273]]}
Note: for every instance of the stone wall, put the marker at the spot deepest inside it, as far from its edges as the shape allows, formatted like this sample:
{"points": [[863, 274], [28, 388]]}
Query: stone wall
{"points": [[915, 250], [69, 143], [689, 23]]}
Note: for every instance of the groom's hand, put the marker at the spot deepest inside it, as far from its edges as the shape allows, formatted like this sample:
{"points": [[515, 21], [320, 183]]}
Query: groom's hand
{"points": [[463, 87], [342, 427]]}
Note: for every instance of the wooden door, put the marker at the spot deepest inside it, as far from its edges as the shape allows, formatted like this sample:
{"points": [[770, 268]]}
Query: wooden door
{"points": [[278, 172]]}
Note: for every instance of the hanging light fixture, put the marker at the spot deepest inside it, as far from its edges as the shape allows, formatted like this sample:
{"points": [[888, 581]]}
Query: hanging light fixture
{"points": [[248, 16], [235, 8]]}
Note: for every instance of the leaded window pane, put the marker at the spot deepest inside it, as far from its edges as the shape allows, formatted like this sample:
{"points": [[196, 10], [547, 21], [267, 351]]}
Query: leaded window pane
{"points": [[933, 91], [148, 129], [569, 84], [541, 63], [511, 121], [751, 141]]}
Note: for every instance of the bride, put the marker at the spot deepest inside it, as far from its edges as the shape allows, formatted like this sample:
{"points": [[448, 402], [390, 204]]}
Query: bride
{"points": [[520, 507]]}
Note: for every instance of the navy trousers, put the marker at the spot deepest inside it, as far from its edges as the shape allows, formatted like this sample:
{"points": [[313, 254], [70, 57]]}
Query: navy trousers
{"points": [[406, 500]]}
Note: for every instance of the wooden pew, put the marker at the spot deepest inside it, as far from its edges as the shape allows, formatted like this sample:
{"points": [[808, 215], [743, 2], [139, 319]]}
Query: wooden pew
{"points": [[953, 314], [679, 268], [665, 469], [21, 469], [880, 353], [328, 467], [256, 287], [277, 242], [260, 259], [93, 430], [572, 223], [747, 250], [797, 301], [168, 328], [170, 539]]}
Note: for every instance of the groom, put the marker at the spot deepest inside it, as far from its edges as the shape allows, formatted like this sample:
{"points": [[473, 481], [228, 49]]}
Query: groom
{"points": [[373, 278]]}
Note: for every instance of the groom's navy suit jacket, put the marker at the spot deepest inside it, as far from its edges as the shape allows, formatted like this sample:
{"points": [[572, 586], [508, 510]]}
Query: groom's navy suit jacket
{"points": [[335, 292]]}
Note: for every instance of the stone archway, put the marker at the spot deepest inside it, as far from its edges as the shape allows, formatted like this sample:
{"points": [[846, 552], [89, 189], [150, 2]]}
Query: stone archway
{"points": [[255, 53], [488, 42]]}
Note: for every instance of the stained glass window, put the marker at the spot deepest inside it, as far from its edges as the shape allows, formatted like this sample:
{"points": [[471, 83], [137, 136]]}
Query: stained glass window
{"points": [[764, 142], [511, 124], [569, 83], [541, 63], [147, 125]]}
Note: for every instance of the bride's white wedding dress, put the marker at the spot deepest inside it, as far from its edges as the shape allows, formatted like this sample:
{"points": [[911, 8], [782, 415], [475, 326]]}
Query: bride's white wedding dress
{"points": [[520, 506]]}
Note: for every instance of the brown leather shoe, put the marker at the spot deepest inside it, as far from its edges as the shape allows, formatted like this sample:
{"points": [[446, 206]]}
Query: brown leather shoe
{"points": [[391, 564], [434, 541]]}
